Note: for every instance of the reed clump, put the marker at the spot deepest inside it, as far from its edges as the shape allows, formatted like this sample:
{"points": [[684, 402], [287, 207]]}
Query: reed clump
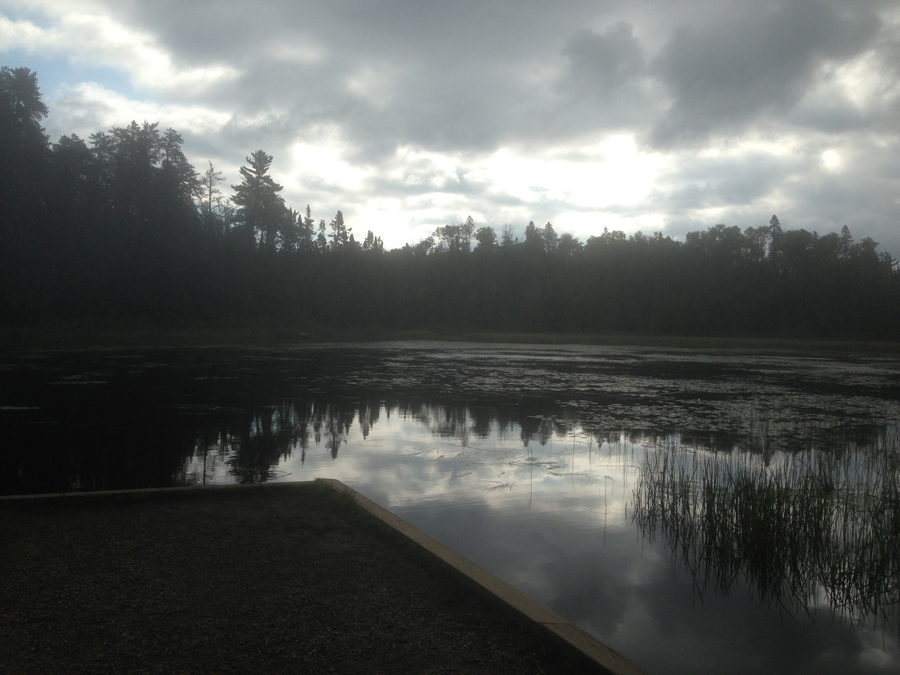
{"points": [[805, 529]]}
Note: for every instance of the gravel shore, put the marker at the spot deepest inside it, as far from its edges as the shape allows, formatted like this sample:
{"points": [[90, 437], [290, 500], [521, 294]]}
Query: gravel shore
{"points": [[262, 579]]}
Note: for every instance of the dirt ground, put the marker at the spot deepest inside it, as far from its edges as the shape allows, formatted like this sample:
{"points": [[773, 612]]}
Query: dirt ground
{"points": [[262, 579]]}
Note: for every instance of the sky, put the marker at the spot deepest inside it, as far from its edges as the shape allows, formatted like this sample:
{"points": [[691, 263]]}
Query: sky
{"points": [[668, 116]]}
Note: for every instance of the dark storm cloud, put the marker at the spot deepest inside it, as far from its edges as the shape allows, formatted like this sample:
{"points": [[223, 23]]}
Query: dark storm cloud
{"points": [[725, 75]]}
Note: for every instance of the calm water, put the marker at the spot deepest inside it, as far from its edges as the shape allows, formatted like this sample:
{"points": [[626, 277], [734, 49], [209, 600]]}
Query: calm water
{"points": [[699, 513]]}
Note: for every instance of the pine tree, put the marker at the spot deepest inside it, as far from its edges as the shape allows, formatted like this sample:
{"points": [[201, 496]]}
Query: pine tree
{"points": [[340, 233], [260, 208]]}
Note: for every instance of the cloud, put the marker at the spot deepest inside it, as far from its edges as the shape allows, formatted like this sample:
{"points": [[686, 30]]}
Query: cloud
{"points": [[722, 76], [411, 115], [89, 107], [604, 62], [603, 84], [101, 40]]}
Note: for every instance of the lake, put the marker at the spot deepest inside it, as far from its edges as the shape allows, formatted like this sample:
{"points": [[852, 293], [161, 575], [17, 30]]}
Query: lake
{"points": [[698, 512]]}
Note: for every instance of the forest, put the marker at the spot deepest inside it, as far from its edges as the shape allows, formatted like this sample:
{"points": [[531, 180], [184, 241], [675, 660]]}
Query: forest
{"points": [[122, 227]]}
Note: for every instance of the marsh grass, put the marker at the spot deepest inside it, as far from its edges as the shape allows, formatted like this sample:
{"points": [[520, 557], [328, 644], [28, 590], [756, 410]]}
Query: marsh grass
{"points": [[805, 529]]}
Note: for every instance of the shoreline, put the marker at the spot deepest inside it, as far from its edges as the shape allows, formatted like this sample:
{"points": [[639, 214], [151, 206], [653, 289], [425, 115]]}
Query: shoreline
{"points": [[104, 335]]}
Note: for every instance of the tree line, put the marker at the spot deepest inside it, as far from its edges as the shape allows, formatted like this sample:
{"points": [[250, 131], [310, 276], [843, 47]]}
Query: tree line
{"points": [[123, 227]]}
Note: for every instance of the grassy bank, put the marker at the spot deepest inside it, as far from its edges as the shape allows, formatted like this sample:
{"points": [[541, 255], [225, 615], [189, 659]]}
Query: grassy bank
{"points": [[261, 332]]}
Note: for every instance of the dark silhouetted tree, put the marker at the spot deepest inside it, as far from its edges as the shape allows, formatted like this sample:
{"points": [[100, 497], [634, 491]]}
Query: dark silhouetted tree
{"points": [[307, 229], [846, 242], [24, 148], [551, 240], [372, 243], [321, 239], [261, 209], [568, 245], [340, 233], [486, 238], [534, 240], [466, 230], [210, 198]]}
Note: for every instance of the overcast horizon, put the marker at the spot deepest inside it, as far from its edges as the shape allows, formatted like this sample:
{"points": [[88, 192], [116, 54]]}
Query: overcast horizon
{"points": [[649, 116]]}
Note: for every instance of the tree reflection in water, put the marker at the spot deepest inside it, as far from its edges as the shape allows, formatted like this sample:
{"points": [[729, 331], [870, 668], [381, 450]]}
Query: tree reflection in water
{"points": [[253, 444], [806, 529], [250, 445]]}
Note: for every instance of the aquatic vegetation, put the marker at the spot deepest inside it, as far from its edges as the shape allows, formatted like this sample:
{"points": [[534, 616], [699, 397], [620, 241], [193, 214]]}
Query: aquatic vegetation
{"points": [[806, 529]]}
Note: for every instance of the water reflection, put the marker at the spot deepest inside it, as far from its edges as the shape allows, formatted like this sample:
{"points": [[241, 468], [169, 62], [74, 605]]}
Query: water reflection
{"points": [[574, 473], [808, 529], [253, 446]]}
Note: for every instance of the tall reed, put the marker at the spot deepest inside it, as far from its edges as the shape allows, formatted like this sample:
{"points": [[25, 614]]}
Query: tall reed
{"points": [[803, 528]]}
